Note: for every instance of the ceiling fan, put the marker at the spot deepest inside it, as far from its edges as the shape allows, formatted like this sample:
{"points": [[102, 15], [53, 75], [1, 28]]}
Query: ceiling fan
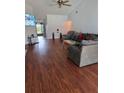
{"points": [[62, 3]]}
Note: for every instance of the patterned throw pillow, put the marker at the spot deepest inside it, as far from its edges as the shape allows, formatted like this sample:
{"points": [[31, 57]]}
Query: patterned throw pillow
{"points": [[75, 36], [70, 34], [90, 36], [81, 36], [85, 36], [93, 37]]}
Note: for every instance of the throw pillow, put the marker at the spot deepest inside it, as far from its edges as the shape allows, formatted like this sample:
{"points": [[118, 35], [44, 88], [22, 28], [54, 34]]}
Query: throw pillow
{"points": [[75, 36], [70, 34], [81, 37], [85, 36]]}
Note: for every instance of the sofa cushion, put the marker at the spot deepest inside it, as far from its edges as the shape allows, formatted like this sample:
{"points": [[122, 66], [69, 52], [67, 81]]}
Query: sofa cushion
{"points": [[89, 42]]}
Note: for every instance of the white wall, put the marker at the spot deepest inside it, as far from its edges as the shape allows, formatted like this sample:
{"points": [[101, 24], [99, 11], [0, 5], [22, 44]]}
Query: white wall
{"points": [[28, 8], [86, 18], [28, 29], [55, 22]]}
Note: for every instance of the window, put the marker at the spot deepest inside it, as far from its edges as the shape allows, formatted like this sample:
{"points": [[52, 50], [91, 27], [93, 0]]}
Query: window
{"points": [[29, 20]]}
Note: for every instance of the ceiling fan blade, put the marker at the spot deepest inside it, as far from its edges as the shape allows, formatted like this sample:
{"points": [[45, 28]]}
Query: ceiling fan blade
{"points": [[66, 1], [67, 4]]}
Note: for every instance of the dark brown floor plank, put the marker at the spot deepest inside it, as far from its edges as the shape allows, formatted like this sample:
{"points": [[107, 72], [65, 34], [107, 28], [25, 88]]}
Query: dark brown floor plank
{"points": [[48, 70]]}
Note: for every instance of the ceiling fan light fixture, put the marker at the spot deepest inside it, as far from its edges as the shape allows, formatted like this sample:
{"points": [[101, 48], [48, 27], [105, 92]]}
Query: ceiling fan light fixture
{"points": [[63, 2]]}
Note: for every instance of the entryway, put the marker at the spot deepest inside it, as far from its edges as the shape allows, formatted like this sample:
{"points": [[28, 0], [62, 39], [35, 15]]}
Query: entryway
{"points": [[40, 29]]}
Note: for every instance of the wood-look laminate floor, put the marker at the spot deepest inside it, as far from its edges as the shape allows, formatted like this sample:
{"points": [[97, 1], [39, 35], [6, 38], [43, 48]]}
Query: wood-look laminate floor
{"points": [[48, 70]]}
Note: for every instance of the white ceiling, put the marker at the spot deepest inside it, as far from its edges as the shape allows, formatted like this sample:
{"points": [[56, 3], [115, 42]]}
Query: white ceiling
{"points": [[41, 8]]}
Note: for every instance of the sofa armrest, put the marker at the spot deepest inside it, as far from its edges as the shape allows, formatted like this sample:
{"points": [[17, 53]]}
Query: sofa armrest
{"points": [[89, 55]]}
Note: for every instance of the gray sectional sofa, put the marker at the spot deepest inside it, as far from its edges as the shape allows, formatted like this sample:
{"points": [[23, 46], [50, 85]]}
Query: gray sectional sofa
{"points": [[85, 49]]}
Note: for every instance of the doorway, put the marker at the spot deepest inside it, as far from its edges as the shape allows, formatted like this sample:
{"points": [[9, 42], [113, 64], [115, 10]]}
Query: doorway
{"points": [[40, 29]]}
